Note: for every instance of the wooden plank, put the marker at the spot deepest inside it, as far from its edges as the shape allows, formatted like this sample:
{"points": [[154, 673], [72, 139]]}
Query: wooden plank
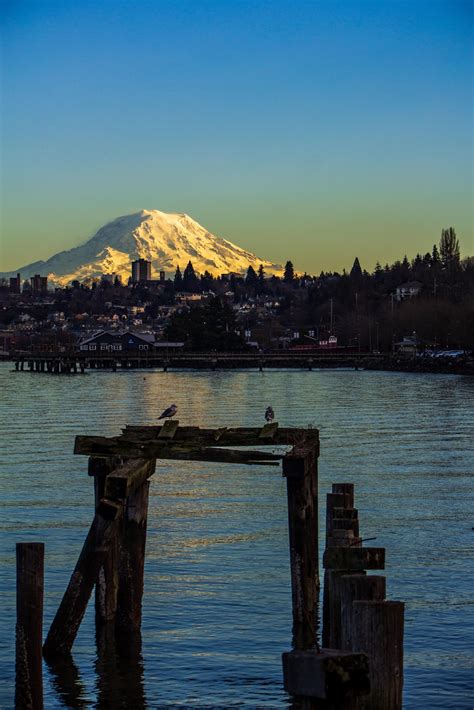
{"points": [[67, 620], [232, 436], [168, 430], [127, 478], [102, 446], [220, 433], [29, 625], [354, 558], [268, 431]]}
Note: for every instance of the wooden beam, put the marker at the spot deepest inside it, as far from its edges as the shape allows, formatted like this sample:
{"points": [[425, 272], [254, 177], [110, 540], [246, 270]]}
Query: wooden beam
{"points": [[68, 618], [168, 430], [102, 446], [268, 431], [354, 558], [125, 479], [230, 436]]}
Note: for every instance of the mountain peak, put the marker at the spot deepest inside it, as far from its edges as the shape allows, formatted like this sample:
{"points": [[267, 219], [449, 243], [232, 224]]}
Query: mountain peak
{"points": [[166, 239]]}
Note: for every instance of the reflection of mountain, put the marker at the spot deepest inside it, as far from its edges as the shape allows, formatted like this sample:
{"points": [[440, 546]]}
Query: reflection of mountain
{"points": [[167, 240]]}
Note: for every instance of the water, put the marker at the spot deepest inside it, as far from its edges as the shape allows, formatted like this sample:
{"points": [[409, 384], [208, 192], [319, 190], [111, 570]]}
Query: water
{"points": [[217, 607]]}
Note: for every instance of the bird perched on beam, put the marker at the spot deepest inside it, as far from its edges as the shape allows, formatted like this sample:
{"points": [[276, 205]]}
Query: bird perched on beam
{"points": [[168, 413], [269, 414]]}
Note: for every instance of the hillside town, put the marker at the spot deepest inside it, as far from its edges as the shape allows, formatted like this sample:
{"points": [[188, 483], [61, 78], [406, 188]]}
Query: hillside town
{"points": [[421, 305]]}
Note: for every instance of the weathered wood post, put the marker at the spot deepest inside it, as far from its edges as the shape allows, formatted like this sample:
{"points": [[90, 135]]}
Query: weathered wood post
{"points": [[132, 560], [107, 579], [377, 629], [301, 473], [339, 562], [355, 587], [68, 618], [29, 625]]}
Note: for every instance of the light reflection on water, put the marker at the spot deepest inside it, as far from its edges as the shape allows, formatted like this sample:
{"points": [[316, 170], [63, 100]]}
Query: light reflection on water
{"points": [[217, 608]]}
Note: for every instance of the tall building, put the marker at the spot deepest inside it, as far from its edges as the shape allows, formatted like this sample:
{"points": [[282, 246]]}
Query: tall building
{"points": [[15, 284], [141, 271], [39, 284]]}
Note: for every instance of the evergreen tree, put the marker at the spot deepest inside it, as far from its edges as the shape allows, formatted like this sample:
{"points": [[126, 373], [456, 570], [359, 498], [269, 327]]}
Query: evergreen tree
{"points": [[190, 280], [251, 279], [178, 279], [356, 271], [289, 273], [449, 249], [261, 278]]}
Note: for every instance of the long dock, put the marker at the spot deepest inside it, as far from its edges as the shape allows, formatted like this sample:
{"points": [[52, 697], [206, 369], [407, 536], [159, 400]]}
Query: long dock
{"points": [[77, 362]]}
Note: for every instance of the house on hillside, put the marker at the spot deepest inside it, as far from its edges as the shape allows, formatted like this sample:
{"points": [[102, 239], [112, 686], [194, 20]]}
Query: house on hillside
{"points": [[410, 289], [109, 341]]}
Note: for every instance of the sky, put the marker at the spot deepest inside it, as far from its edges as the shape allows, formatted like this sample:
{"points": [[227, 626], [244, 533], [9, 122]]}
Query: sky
{"points": [[310, 131]]}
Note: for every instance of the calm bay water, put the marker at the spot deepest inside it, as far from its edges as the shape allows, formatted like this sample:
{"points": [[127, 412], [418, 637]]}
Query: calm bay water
{"points": [[217, 606]]}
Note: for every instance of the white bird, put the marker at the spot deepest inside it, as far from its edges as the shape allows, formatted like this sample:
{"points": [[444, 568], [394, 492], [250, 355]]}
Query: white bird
{"points": [[168, 413], [269, 414]]}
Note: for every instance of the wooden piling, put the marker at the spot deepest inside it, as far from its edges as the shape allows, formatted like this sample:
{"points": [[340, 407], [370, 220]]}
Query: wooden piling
{"points": [[300, 470], [66, 623], [132, 560], [106, 586], [332, 606], [377, 629], [29, 625], [356, 587], [347, 489], [336, 500]]}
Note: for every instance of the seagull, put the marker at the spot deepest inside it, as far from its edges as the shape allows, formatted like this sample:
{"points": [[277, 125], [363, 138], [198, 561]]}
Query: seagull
{"points": [[168, 413], [269, 414]]}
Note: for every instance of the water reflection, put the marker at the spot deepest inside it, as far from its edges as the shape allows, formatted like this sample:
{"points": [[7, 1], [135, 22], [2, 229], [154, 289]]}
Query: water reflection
{"points": [[67, 682], [119, 668]]}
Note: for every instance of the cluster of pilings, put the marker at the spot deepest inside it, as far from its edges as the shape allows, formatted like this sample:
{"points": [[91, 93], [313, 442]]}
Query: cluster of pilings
{"points": [[53, 366], [360, 666], [112, 559]]}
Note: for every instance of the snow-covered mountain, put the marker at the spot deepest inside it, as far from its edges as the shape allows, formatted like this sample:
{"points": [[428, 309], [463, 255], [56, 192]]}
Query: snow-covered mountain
{"points": [[167, 240]]}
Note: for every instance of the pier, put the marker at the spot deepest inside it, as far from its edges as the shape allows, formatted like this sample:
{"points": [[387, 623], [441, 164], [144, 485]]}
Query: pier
{"points": [[360, 661], [75, 363]]}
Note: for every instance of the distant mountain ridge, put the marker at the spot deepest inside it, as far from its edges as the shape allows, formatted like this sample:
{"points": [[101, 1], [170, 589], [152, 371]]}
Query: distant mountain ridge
{"points": [[167, 240]]}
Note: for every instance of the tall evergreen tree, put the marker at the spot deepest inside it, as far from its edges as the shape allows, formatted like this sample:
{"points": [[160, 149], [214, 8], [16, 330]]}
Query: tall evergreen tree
{"points": [[190, 280], [356, 271], [289, 273], [251, 279], [449, 248], [178, 279]]}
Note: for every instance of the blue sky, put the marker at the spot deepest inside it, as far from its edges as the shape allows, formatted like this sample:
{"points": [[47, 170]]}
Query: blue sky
{"points": [[311, 131]]}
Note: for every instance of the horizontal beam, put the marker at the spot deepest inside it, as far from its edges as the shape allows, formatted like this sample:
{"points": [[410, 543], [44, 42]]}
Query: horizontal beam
{"points": [[354, 558], [231, 436], [125, 479], [103, 446]]}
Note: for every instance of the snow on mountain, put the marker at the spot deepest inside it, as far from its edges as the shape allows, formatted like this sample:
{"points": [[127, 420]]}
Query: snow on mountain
{"points": [[167, 240]]}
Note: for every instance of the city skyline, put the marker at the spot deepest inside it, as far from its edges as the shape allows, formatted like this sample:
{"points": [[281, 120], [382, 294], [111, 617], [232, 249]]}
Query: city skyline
{"points": [[314, 133]]}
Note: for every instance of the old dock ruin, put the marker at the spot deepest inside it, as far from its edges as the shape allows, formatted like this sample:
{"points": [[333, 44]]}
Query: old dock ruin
{"points": [[360, 661]]}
